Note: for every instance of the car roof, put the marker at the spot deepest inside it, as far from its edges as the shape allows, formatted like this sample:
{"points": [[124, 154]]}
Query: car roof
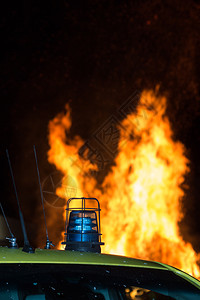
{"points": [[8, 255], [44, 256]]}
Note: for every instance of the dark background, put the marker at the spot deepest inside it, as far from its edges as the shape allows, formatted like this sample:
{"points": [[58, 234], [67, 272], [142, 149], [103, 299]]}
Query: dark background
{"points": [[94, 54]]}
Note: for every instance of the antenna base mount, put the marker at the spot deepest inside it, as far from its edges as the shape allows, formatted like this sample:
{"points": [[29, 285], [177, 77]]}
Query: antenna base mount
{"points": [[28, 249], [48, 244], [12, 243]]}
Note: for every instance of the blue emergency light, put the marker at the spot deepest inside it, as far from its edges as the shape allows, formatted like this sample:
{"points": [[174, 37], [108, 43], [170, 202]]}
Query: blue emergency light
{"points": [[82, 229]]}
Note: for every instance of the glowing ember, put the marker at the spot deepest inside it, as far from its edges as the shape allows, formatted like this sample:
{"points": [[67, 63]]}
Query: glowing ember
{"points": [[141, 195]]}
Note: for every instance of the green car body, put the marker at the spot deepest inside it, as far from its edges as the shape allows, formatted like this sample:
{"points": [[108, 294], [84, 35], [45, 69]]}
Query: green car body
{"points": [[98, 276]]}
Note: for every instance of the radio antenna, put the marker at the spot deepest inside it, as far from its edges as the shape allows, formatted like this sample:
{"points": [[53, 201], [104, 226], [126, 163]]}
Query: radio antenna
{"points": [[12, 239], [48, 243], [27, 247]]}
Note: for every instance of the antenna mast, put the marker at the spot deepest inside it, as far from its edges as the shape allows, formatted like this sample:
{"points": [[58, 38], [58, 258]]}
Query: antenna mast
{"points": [[12, 240], [48, 243], [27, 247]]}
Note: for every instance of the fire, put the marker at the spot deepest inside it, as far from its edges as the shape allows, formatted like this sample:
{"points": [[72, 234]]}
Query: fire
{"points": [[141, 195]]}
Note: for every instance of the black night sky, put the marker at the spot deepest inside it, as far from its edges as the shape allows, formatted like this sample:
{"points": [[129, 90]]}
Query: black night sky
{"points": [[94, 54]]}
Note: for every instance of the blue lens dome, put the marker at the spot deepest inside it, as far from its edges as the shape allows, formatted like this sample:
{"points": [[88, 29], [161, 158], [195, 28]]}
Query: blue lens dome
{"points": [[82, 227]]}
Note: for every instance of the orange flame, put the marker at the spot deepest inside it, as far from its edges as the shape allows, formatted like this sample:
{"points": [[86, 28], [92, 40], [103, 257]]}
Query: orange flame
{"points": [[141, 195]]}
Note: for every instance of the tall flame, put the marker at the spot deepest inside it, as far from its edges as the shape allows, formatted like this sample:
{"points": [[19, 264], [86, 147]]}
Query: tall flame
{"points": [[141, 195]]}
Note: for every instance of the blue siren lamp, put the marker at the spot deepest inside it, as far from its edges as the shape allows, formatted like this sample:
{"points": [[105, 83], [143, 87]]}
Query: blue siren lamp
{"points": [[82, 228]]}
